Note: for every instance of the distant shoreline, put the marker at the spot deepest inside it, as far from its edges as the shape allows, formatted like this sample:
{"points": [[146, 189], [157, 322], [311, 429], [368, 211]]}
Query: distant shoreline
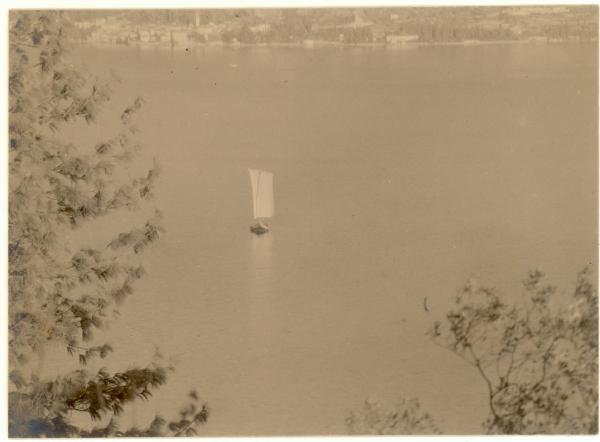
{"points": [[323, 43]]}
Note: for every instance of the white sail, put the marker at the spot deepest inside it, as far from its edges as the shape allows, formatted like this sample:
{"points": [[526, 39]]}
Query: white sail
{"points": [[262, 193]]}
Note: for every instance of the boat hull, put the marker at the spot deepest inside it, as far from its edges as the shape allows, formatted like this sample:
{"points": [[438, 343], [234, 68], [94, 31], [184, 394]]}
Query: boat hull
{"points": [[259, 229]]}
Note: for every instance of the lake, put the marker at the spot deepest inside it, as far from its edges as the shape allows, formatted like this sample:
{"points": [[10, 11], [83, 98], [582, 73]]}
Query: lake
{"points": [[399, 175]]}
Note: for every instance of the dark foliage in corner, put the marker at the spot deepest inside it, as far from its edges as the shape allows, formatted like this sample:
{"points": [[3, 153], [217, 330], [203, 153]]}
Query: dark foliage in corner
{"points": [[538, 359], [59, 294]]}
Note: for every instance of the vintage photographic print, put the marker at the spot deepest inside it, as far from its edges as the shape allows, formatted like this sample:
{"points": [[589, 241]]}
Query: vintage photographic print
{"points": [[303, 221]]}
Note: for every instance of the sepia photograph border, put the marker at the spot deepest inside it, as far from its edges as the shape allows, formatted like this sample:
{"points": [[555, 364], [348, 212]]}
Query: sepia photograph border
{"points": [[208, 4]]}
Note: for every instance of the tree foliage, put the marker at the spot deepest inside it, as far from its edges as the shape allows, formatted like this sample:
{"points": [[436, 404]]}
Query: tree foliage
{"points": [[61, 292], [404, 418], [538, 359]]}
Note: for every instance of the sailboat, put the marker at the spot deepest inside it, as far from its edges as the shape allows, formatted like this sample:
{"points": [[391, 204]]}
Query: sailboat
{"points": [[262, 199]]}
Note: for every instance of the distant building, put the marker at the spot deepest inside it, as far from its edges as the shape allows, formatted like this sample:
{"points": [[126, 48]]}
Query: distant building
{"points": [[209, 31], [179, 38], [102, 36], [133, 36], [401, 39], [360, 20], [538, 39], [262, 28], [533, 10], [85, 24], [516, 30], [378, 33], [145, 36]]}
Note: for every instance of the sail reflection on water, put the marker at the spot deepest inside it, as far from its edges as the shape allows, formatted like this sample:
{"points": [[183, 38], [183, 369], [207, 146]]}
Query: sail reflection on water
{"points": [[262, 311]]}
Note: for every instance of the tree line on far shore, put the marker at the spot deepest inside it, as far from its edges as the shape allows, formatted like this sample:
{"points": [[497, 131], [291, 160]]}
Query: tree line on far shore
{"points": [[360, 25]]}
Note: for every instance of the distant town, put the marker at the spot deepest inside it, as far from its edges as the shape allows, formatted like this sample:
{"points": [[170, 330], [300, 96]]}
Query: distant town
{"points": [[359, 26]]}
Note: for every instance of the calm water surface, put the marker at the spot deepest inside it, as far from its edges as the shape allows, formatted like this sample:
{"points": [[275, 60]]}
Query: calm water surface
{"points": [[399, 174]]}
